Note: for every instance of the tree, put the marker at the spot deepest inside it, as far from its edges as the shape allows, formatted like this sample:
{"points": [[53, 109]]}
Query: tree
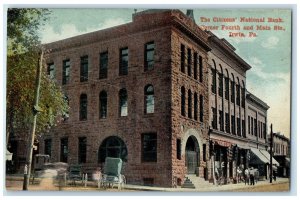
{"points": [[22, 59]]}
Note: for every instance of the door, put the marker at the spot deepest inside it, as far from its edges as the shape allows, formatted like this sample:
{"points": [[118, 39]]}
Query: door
{"points": [[191, 160]]}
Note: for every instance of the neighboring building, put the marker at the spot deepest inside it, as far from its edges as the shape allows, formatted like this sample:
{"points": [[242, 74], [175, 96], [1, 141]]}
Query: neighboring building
{"points": [[162, 94], [281, 152]]}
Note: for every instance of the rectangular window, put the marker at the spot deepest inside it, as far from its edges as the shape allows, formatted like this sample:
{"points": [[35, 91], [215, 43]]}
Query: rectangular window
{"points": [[221, 85], [249, 123], [66, 72], [84, 68], [265, 131], [201, 108], [214, 81], [221, 120], [252, 127], [103, 65], [238, 123], [189, 60], [51, 72], [255, 127], [258, 124], [201, 68], [232, 92], [243, 97], [204, 152], [64, 150], [195, 66], [195, 107], [48, 144], [82, 150], [232, 124], [178, 148], [182, 60], [243, 128], [149, 147], [123, 68], [227, 123], [214, 120], [238, 92], [227, 88], [149, 56]]}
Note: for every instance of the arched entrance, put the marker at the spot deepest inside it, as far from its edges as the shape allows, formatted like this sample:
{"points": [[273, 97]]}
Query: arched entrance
{"points": [[192, 155], [112, 146]]}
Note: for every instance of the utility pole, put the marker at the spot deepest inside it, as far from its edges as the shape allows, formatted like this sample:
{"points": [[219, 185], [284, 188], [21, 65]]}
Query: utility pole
{"points": [[35, 111], [271, 154]]}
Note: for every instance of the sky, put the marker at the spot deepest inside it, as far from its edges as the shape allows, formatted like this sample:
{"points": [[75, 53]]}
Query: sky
{"points": [[269, 54]]}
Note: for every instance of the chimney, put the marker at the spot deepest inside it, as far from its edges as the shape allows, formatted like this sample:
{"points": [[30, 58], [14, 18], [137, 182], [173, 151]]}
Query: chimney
{"points": [[190, 14]]}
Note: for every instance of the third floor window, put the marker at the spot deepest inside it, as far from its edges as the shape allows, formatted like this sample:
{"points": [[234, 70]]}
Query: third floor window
{"points": [[84, 68], [103, 65], [66, 72], [149, 56], [123, 65]]}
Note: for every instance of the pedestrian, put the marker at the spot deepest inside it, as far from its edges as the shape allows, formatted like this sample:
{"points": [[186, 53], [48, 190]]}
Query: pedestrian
{"points": [[274, 175], [246, 176], [251, 176]]}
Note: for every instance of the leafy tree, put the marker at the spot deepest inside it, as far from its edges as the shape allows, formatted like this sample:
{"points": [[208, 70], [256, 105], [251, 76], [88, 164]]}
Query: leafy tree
{"points": [[22, 61]]}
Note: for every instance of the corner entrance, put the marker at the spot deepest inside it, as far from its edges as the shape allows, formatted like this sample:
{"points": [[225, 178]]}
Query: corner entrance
{"points": [[192, 155]]}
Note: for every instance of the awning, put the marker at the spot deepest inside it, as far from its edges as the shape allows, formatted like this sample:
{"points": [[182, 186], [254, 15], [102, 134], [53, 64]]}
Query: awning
{"points": [[267, 155], [257, 158], [243, 146]]}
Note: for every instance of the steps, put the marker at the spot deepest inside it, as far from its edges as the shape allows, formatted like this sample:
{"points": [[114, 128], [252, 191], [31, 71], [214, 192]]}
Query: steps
{"points": [[194, 182]]}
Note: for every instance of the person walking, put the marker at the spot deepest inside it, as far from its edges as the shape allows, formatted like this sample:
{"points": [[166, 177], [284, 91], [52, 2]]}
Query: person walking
{"points": [[251, 176], [246, 176]]}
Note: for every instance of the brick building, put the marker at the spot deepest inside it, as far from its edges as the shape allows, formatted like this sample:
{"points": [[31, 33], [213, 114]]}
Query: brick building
{"points": [[161, 93]]}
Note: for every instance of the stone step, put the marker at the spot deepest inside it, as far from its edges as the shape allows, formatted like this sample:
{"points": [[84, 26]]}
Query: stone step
{"points": [[198, 182], [188, 184]]}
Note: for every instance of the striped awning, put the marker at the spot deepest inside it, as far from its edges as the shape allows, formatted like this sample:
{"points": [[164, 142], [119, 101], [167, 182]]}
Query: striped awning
{"points": [[257, 158], [267, 155]]}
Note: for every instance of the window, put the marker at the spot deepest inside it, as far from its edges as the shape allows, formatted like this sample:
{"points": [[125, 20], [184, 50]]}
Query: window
{"points": [[66, 115], [182, 66], [123, 102], [149, 147], [232, 124], [195, 66], [201, 68], [249, 125], [204, 152], [149, 99], [178, 149], [84, 68], [243, 97], [103, 65], [83, 107], [82, 150], [255, 127], [252, 127], [238, 123], [189, 104], [189, 60], [182, 101], [103, 104], [195, 106], [51, 71], [227, 123], [66, 72], [112, 147], [123, 69], [243, 128], [48, 144], [227, 88], [265, 131], [258, 130], [214, 120], [149, 56], [201, 108], [64, 150], [232, 92], [221, 120], [214, 81], [238, 92], [221, 85]]}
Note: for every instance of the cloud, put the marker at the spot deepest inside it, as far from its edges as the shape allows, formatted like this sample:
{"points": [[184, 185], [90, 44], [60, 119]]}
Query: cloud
{"points": [[48, 34], [270, 43]]}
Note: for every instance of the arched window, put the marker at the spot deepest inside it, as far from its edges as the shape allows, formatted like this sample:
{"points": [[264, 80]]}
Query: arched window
{"points": [[243, 94], [123, 102], [232, 89], [83, 107], [195, 106], [103, 104], [149, 99], [112, 147], [238, 92], [189, 104], [182, 101]]}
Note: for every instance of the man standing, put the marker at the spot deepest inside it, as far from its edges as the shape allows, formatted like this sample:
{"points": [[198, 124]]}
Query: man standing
{"points": [[246, 174], [251, 176]]}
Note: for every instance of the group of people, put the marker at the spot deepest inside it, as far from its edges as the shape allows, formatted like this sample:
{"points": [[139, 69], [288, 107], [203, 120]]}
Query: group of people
{"points": [[249, 176]]}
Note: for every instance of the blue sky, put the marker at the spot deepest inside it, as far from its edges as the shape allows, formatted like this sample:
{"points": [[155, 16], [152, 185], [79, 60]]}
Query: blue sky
{"points": [[269, 53]]}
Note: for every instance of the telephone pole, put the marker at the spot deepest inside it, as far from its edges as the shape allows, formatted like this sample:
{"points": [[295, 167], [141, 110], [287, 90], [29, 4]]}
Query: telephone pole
{"points": [[35, 111], [271, 154]]}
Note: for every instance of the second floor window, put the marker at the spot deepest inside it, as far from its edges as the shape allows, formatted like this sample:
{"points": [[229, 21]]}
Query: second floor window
{"points": [[103, 104], [66, 72], [232, 91], [201, 108], [123, 65], [64, 150], [182, 59], [195, 66], [221, 85], [51, 71], [227, 88], [149, 56], [189, 60], [83, 107], [195, 106], [84, 68], [201, 68], [214, 120], [149, 147], [103, 65], [182, 101], [123, 102], [189, 104], [149, 99], [214, 81]]}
